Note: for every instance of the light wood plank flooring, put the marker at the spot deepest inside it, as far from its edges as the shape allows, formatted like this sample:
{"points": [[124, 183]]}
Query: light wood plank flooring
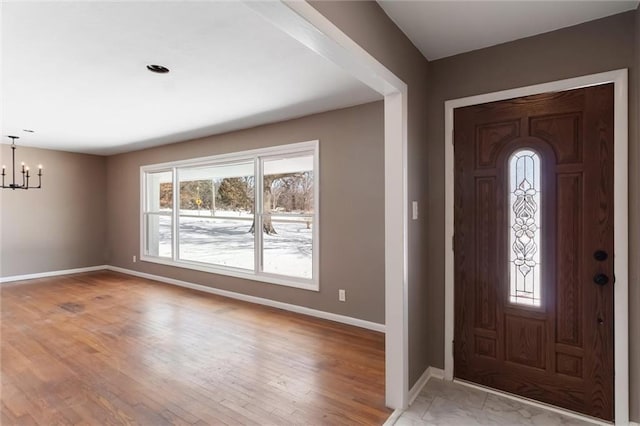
{"points": [[108, 348]]}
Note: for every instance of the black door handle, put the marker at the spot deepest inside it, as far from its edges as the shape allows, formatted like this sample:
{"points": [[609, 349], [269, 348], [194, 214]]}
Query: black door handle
{"points": [[600, 255], [600, 279]]}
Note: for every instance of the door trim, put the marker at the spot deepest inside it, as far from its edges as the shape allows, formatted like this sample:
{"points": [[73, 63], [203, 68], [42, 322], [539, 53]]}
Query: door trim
{"points": [[621, 217]]}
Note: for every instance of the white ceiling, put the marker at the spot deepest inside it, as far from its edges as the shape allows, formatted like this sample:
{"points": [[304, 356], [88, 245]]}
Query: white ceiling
{"points": [[445, 28], [75, 73]]}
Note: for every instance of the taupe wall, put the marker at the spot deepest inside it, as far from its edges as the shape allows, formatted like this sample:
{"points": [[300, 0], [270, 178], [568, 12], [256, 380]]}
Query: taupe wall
{"points": [[351, 208], [60, 226], [602, 45], [368, 25]]}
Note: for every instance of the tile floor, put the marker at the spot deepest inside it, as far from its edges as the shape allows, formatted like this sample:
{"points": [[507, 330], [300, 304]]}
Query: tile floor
{"points": [[447, 403]]}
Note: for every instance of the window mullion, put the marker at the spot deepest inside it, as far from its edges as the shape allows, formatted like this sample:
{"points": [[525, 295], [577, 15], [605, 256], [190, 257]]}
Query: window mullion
{"points": [[175, 215], [258, 210]]}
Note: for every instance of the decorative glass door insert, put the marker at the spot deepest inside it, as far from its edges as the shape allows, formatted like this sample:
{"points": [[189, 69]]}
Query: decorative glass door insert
{"points": [[524, 203]]}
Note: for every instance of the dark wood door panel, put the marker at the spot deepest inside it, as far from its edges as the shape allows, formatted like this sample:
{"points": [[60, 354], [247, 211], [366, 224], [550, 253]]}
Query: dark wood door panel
{"points": [[569, 258], [534, 200], [485, 261]]}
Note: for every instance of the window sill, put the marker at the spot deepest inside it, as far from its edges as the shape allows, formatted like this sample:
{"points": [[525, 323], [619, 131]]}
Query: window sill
{"points": [[303, 284]]}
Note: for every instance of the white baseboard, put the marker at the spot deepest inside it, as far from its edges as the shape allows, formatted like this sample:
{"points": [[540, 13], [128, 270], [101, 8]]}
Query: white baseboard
{"points": [[233, 295], [430, 372], [258, 300], [634, 424], [52, 273], [436, 373], [393, 418]]}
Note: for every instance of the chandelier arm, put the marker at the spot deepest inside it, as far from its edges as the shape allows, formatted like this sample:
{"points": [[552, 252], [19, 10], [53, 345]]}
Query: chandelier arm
{"points": [[13, 161]]}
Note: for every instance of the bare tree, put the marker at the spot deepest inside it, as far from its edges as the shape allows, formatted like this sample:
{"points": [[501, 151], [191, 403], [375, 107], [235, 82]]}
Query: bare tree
{"points": [[306, 186], [267, 204], [278, 188]]}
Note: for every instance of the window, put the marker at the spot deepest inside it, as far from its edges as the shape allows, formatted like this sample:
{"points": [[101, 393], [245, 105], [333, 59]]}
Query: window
{"points": [[158, 214], [216, 213], [524, 187], [205, 214]]}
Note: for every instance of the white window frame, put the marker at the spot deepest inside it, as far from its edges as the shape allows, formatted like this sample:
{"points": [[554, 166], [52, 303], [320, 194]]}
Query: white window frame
{"points": [[257, 156]]}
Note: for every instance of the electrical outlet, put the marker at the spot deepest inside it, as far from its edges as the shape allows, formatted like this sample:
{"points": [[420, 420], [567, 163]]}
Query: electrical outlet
{"points": [[414, 206], [342, 295], [134, 258]]}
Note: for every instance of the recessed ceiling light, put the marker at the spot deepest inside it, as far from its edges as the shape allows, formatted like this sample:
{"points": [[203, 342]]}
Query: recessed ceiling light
{"points": [[158, 69], [28, 130]]}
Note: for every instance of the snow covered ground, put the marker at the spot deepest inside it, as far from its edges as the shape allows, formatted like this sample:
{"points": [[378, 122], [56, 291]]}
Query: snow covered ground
{"points": [[228, 242]]}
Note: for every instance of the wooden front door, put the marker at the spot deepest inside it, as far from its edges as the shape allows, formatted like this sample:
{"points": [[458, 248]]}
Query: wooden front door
{"points": [[533, 247]]}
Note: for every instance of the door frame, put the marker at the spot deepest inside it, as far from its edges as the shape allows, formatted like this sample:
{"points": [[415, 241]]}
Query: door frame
{"points": [[621, 217]]}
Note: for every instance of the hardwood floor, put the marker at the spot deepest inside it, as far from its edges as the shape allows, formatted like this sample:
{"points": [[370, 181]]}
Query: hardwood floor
{"points": [[108, 348]]}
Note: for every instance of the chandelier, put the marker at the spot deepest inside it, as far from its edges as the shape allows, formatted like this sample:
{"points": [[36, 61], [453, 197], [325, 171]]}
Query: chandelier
{"points": [[25, 171]]}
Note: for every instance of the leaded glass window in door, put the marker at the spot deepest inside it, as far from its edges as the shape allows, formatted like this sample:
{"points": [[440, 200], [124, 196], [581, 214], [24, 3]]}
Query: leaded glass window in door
{"points": [[524, 208]]}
